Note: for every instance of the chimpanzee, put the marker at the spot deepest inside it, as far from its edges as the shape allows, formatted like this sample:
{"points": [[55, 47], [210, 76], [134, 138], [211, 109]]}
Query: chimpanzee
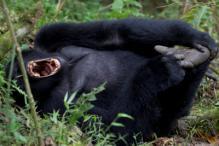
{"points": [[154, 85]]}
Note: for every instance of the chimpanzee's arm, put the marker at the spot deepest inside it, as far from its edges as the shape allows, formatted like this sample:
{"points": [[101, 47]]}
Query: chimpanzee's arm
{"points": [[136, 35]]}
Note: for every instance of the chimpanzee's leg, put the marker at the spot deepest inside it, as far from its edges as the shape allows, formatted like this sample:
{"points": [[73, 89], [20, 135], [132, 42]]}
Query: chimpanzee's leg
{"points": [[176, 102]]}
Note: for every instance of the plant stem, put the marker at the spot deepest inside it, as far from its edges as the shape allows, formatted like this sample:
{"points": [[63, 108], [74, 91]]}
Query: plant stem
{"points": [[24, 73]]}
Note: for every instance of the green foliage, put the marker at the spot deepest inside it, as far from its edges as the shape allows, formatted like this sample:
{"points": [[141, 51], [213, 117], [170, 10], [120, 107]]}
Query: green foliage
{"points": [[202, 17], [17, 126], [124, 8], [76, 111], [11, 126]]}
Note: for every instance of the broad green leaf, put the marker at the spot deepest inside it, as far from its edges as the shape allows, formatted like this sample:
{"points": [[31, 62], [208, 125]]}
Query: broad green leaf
{"points": [[117, 5]]}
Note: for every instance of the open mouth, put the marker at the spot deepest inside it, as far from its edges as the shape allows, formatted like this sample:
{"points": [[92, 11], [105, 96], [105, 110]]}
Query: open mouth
{"points": [[43, 67]]}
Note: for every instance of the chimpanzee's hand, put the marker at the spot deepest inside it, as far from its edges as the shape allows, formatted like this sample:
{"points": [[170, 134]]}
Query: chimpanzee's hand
{"points": [[187, 58]]}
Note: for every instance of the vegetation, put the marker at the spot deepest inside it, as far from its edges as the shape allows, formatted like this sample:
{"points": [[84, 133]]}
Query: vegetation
{"points": [[16, 124]]}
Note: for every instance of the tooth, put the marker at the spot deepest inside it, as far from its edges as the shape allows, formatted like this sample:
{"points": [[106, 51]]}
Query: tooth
{"points": [[36, 74]]}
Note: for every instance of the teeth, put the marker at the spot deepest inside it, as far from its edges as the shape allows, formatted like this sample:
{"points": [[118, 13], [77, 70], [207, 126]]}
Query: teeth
{"points": [[43, 67], [34, 64], [36, 74], [56, 63]]}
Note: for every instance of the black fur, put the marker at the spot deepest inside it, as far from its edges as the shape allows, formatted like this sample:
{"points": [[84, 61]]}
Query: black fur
{"points": [[152, 88]]}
